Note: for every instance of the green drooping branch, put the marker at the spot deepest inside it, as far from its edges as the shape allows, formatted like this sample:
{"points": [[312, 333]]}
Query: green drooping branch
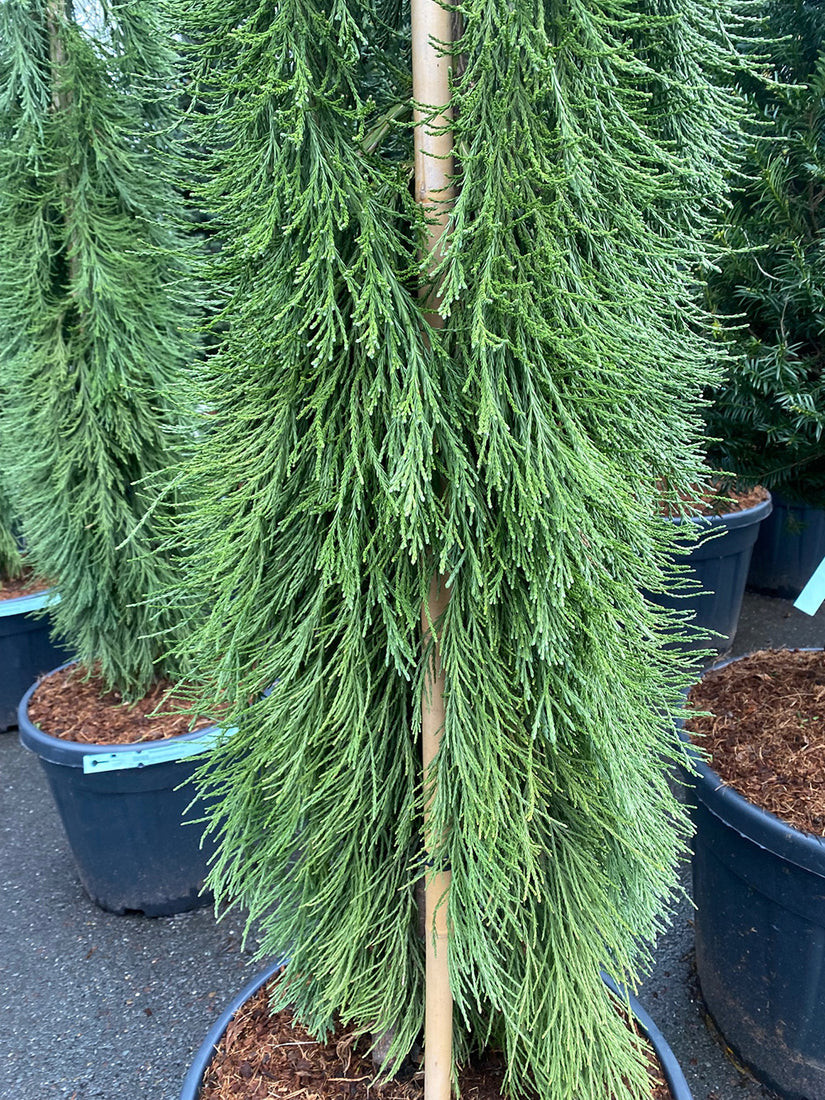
{"points": [[11, 560]]}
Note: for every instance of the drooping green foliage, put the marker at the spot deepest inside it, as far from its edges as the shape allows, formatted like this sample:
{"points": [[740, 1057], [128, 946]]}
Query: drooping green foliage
{"points": [[11, 560], [687, 109], [348, 455], [770, 411], [93, 313]]}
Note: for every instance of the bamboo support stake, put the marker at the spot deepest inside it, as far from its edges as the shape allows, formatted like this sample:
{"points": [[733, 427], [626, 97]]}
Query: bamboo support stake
{"points": [[431, 25], [57, 52], [438, 1007]]}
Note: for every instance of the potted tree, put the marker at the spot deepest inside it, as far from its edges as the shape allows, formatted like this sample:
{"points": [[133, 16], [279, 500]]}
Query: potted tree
{"points": [[243, 1044], [759, 862], [769, 288], [94, 309], [434, 429]]}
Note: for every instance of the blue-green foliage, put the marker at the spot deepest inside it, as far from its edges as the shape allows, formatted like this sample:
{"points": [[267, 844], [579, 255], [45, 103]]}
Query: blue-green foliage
{"points": [[349, 454], [93, 315], [770, 412], [11, 560]]}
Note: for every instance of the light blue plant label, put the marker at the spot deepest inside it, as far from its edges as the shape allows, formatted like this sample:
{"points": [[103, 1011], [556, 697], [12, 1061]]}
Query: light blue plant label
{"points": [[810, 598], [22, 605], [156, 752]]}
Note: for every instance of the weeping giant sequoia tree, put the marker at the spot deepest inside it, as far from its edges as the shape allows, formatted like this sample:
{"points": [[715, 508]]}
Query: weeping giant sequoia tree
{"points": [[457, 355], [94, 308]]}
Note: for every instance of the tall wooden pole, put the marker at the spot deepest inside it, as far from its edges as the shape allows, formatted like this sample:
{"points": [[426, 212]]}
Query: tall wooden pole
{"points": [[438, 1004], [57, 52], [432, 25]]}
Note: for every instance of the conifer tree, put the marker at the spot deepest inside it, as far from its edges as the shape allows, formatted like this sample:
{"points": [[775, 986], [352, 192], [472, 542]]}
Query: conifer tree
{"points": [[351, 452], [94, 310], [770, 411]]}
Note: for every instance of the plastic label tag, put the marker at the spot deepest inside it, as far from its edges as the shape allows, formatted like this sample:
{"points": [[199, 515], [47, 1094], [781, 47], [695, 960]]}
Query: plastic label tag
{"points": [[810, 598], [155, 752]]}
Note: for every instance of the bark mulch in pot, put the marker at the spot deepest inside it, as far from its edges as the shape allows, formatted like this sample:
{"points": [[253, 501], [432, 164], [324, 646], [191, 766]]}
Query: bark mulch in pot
{"points": [[765, 733], [24, 585], [267, 1056], [74, 706], [721, 501]]}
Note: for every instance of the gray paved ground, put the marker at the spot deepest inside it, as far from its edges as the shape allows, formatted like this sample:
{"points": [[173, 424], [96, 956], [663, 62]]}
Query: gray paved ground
{"points": [[106, 1007], [93, 1005]]}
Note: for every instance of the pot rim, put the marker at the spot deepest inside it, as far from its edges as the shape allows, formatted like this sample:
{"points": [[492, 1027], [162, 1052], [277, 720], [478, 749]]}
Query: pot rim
{"points": [[34, 601], [796, 505], [752, 822], [58, 750], [190, 1089], [731, 520]]}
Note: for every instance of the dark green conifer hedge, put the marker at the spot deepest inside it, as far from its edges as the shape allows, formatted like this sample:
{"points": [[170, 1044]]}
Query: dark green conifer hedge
{"points": [[770, 412]]}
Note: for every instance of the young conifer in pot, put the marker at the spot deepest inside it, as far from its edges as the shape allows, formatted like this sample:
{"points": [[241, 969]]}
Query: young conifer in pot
{"points": [[94, 312], [357, 457]]}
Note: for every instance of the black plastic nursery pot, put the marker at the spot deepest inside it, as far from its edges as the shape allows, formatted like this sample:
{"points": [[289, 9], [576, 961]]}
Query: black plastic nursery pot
{"points": [[719, 565], [790, 546], [194, 1078], [26, 649], [130, 814], [759, 888]]}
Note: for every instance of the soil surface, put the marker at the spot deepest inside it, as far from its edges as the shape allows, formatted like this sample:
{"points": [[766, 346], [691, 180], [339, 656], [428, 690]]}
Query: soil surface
{"points": [[721, 501], [24, 585], [765, 733], [267, 1056], [73, 705]]}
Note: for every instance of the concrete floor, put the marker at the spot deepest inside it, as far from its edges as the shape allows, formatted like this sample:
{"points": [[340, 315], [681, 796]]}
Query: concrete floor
{"points": [[96, 1005]]}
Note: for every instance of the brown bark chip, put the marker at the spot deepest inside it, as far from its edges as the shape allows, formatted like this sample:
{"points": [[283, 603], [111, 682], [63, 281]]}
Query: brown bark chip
{"points": [[268, 1056], [74, 706], [765, 733]]}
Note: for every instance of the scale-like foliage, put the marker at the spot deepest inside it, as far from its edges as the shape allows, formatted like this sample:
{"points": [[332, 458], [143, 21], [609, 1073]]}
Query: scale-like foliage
{"points": [[348, 455], [770, 411], [93, 312], [11, 560]]}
